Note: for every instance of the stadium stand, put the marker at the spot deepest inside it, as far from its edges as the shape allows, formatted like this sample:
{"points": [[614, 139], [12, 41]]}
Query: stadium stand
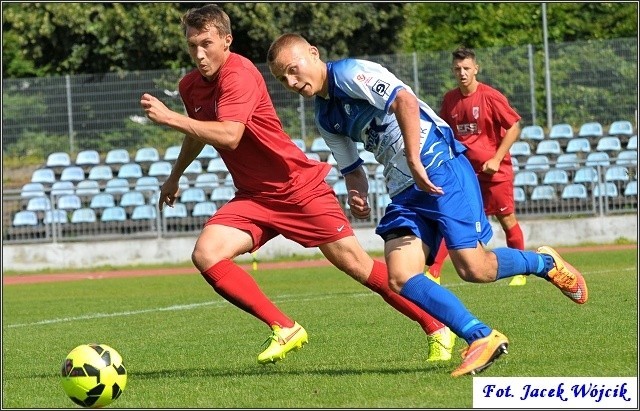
{"points": [[39, 205], [586, 174], [144, 218], [130, 200], [55, 216], [333, 176], [146, 155], [627, 158], [174, 218], [148, 185], [515, 164], [58, 160], [217, 166], [575, 197], [130, 172], [220, 195], [191, 196], [526, 179], [592, 131], [102, 201], [622, 129], [86, 189], [25, 218], [519, 195], [632, 144], [116, 187], [605, 190], [557, 178], [331, 160], [193, 170]]}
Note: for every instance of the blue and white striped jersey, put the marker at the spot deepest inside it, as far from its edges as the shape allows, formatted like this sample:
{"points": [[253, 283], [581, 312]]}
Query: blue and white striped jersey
{"points": [[360, 94]]}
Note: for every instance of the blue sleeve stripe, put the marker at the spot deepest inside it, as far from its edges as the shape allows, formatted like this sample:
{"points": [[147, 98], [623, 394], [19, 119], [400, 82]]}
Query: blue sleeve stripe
{"points": [[352, 167], [391, 98]]}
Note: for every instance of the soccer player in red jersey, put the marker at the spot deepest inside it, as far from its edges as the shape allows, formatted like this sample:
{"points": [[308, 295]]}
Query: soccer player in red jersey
{"points": [[279, 190], [487, 125]]}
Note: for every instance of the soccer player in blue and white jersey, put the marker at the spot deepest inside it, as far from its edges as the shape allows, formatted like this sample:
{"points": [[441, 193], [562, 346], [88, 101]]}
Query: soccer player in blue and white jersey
{"points": [[433, 188]]}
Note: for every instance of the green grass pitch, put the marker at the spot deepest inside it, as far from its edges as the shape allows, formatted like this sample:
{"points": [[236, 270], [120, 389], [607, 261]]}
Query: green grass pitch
{"points": [[185, 347]]}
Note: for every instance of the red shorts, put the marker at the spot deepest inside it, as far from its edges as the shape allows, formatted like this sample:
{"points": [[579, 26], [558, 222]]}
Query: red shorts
{"points": [[317, 220], [497, 197]]}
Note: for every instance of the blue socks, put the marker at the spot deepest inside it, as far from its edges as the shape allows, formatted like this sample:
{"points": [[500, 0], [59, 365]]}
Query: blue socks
{"points": [[514, 262], [444, 306]]}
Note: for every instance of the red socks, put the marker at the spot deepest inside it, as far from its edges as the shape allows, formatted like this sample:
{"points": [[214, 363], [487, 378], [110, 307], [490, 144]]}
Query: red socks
{"points": [[514, 237], [442, 254], [379, 282], [240, 289]]}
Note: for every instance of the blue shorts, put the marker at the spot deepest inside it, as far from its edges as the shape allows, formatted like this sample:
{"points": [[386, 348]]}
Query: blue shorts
{"points": [[457, 215]]}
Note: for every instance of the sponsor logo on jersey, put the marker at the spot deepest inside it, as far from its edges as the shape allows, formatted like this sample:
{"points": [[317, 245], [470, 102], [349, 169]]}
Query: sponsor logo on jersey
{"points": [[380, 87], [476, 112]]}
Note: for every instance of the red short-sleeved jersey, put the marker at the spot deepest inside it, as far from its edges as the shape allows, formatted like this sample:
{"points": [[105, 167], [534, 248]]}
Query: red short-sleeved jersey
{"points": [[479, 121], [266, 163]]}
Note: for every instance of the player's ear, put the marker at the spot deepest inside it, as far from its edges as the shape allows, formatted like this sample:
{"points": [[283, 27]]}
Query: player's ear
{"points": [[227, 40], [313, 50]]}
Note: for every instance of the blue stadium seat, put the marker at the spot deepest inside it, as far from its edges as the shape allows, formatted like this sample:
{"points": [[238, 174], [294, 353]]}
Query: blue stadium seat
{"points": [[333, 176], [609, 144], [300, 143], [113, 214], [515, 164], [320, 147], [568, 161], [519, 195], [55, 216], [534, 133], [598, 158], [556, 177], [217, 166], [117, 186], [193, 169], [538, 163], [45, 176], [144, 212], [544, 192], [207, 182], [550, 148], [520, 149], [178, 210], [131, 199], [525, 178], [591, 129], [171, 154], [160, 169], [192, 195], [607, 189], [69, 202], [632, 144], [204, 209], [102, 201], [578, 145], [631, 189], [562, 131], [38, 204], [586, 174], [331, 160], [627, 158], [620, 128], [72, 173], [575, 190], [25, 218], [87, 158], [59, 159], [83, 215], [221, 195], [147, 184], [314, 156], [60, 188], [130, 171], [617, 174], [87, 188], [146, 155], [100, 173], [207, 153], [32, 190], [116, 157]]}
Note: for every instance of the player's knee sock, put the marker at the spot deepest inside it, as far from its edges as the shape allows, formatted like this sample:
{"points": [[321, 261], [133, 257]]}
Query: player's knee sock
{"points": [[240, 289], [379, 282], [436, 268], [514, 262], [444, 306], [514, 237]]}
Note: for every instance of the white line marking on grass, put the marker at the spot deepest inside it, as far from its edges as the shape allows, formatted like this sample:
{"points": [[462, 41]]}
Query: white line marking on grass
{"points": [[278, 299]]}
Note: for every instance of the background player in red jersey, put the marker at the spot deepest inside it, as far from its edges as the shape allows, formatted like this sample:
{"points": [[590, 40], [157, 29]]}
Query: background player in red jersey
{"points": [[279, 190], [483, 120]]}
